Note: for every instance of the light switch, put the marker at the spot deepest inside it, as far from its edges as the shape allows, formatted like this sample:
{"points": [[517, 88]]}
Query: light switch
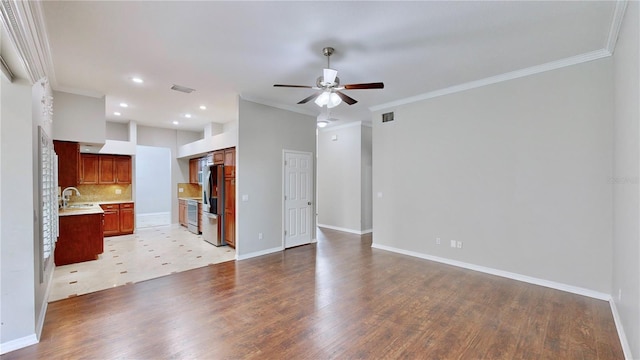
{"points": [[118, 191], [334, 137], [379, 194], [180, 190], [245, 197]]}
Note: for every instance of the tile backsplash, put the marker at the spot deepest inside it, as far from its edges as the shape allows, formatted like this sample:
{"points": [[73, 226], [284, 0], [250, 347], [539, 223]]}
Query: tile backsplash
{"points": [[96, 193], [189, 190]]}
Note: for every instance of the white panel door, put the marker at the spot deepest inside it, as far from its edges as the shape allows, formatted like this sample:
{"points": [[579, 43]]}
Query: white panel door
{"points": [[298, 196]]}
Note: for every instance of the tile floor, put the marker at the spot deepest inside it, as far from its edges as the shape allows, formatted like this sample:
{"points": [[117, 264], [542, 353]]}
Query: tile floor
{"points": [[149, 253], [150, 220]]}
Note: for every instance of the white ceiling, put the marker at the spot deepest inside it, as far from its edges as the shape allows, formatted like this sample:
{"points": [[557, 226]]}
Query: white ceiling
{"points": [[230, 49]]}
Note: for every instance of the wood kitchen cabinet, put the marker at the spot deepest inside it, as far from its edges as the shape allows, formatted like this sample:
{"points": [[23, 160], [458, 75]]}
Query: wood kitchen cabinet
{"points": [[89, 169], [111, 219], [104, 169], [107, 172], [68, 162], [127, 218], [122, 165], [218, 157], [119, 219], [230, 212], [194, 169], [182, 212], [230, 162], [81, 239]]}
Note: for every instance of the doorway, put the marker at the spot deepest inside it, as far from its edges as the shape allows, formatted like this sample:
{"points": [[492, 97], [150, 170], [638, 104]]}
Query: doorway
{"points": [[298, 198], [153, 186]]}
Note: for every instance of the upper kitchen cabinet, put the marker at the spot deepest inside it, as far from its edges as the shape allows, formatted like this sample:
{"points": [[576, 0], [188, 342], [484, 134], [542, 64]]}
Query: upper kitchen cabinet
{"points": [[123, 169], [107, 174], [194, 170], [105, 169], [88, 169], [218, 157], [230, 162], [68, 162]]}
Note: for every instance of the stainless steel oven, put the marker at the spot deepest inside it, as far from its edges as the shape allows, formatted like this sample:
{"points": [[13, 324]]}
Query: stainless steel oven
{"points": [[192, 216]]}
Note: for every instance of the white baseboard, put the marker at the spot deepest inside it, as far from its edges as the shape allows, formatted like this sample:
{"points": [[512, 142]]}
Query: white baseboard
{"points": [[259, 253], [626, 349], [45, 303], [155, 214], [352, 231], [16, 344], [509, 275]]}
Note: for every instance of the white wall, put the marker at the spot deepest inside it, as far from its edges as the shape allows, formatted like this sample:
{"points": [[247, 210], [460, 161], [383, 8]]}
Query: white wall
{"points": [[17, 253], [78, 118], [116, 131], [344, 158], [157, 137], [518, 171], [264, 132], [153, 175], [626, 175]]}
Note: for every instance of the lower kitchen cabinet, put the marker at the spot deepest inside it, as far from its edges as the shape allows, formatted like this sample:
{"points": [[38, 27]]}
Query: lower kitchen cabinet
{"points": [[182, 212], [118, 219], [127, 223], [81, 239]]}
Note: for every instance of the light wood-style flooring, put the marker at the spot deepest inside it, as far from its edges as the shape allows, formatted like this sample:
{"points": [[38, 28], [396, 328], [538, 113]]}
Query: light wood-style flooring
{"points": [[338, 299]]}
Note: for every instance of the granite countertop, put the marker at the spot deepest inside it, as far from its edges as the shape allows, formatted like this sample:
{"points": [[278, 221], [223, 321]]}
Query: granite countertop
{"points": [[94, 209], [90, 208]]}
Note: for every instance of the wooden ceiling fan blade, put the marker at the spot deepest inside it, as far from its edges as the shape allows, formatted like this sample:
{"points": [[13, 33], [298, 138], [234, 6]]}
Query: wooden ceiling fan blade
{"points": [[346, 98], [309, 98], [293, 86], [375, 85]]}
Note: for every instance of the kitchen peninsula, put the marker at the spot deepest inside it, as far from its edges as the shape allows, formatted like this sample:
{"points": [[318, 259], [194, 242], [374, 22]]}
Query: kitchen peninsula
{"points": [[81, 234]]}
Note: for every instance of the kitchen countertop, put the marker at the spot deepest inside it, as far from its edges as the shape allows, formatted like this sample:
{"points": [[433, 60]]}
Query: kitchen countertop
{"points": [[95, 209], [191, 198]]}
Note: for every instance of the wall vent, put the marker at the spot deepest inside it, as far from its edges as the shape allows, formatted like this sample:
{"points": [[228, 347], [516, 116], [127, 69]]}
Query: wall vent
{"points": [[183, 89], [387, 117]]}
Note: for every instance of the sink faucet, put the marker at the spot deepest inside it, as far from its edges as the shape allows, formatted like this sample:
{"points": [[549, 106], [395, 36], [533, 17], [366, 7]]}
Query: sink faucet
{"points": [[65, 196]]}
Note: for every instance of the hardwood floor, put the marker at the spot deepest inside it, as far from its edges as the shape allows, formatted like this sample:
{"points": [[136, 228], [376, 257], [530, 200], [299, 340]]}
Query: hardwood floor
{"points": [[338, 299]]}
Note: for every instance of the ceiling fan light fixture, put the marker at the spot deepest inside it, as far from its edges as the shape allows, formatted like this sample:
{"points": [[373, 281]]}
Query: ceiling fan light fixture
{"points": [[323, 99], [322, 123], [329, 76], [334, 100]]}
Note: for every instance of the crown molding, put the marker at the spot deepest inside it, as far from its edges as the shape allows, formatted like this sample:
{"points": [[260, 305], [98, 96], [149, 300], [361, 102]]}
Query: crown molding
{"points": [[616, 24], [574, 60], [24, 23]]}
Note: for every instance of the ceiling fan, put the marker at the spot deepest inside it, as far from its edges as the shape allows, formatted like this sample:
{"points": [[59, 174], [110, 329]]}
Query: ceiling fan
{"points": [[329, 87]]}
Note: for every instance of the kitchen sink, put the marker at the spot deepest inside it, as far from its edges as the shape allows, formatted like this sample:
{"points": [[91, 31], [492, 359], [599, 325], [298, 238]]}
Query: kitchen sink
{"points": [[79, 206]]}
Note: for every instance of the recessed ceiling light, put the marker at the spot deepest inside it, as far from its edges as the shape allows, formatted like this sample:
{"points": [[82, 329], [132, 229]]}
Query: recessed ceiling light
{"points": [[137, 80], [124, 105], [202, 107], [175, 122], [188, 116], [116, 113]]}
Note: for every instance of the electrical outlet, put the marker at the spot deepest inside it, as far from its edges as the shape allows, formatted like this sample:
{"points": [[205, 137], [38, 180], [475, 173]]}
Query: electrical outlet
{"points": [[259, 236], [459, 244], [453, 243], [180, 190], [437, 241], [118, 191]]}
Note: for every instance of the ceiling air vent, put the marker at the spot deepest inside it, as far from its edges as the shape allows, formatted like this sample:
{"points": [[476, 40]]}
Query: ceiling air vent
{"points": [[387, 117], [183, 89]]}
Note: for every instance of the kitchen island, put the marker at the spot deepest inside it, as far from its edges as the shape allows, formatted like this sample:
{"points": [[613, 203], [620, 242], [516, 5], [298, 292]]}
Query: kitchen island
{"points": [[81, 234]]}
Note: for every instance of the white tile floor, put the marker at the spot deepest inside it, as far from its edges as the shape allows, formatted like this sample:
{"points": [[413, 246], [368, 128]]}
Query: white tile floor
{"points": [[149, 253]]}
